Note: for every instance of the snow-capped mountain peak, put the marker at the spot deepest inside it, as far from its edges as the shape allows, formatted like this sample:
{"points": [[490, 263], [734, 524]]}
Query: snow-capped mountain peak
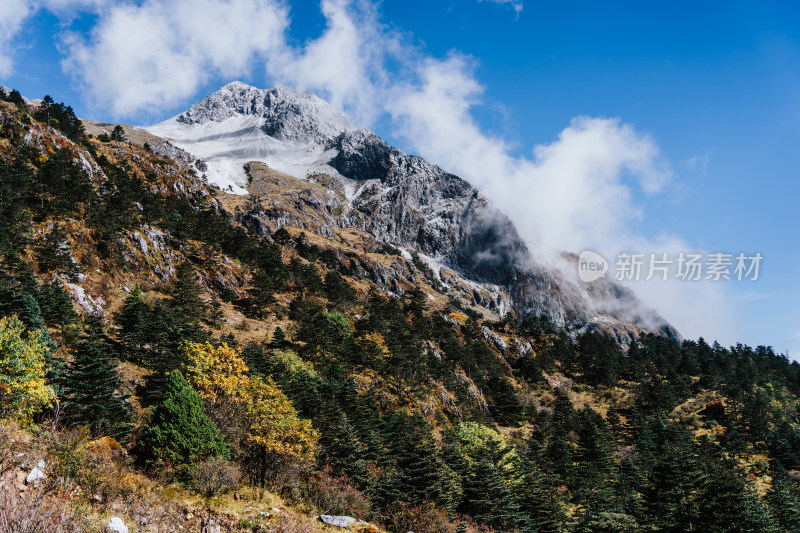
{"points": [[289, 114], [287, 129]]}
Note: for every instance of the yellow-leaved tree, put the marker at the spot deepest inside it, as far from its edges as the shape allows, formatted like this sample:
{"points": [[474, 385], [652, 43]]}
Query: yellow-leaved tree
{"points": [[374, 347], [216, 373], [23, 389], [259, 422], [277, 436]]}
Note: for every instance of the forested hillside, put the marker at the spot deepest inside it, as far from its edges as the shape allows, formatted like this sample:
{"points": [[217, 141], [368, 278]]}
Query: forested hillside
{"points": [[178, 367]]}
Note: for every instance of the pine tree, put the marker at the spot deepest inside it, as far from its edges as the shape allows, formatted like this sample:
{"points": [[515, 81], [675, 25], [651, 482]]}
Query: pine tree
{"points": [[55, 304], [491, 496], [337, 289], [90, 386], [278, 341], [675, 477], [726, 505], [118, 134], [784, 502], [344, 451], [179, 433], [132, 321], [281, 236], [540, 501], [215, 315], [504, 405], [186, 298]]}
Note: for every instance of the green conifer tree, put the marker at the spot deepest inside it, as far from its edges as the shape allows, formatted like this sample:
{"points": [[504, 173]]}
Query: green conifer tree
{"points": [[90, 386], [186, 299], [179, 433]]}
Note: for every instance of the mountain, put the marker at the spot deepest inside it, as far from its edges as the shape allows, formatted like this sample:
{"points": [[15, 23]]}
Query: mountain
{"points": [[399, 199], [344, 374]]}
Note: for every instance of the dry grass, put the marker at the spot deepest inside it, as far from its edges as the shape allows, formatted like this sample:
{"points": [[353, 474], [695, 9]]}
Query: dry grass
{"points": [[36, 511]]}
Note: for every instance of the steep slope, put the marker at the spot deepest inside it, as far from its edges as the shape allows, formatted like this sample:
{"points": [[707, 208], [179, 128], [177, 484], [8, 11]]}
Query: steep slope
{"points": [[398, 199], [430, 419]]}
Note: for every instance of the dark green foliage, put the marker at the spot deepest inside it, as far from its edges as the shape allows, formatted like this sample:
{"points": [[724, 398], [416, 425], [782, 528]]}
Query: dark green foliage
{"points": [[727, 506], [539, 500], [504, 406], [488, 492], [151, 336], [178, 432], [304, 277], [279, 341], [15, 98], [90, 384], [62, 118], [599, 357], [281, 236], [417, 472], [609, 522], [186, 299], [118, 134], [337, 289], [54, 255], [784, 502]]}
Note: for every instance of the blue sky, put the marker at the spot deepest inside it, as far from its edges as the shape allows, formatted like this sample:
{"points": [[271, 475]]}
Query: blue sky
{"points": [[695, 106]]}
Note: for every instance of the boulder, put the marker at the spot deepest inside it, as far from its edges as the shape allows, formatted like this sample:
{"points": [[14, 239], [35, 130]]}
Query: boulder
{"points": [[105, 449], [117, 525], [338, 521], [36, 474], [210, 526]]}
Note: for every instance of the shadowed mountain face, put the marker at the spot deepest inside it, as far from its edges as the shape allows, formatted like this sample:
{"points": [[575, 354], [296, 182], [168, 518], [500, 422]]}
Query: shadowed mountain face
{"points": [[399, 199]]}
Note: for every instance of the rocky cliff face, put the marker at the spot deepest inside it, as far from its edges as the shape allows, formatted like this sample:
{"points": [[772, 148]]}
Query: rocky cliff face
{"points": [[398, 199]]}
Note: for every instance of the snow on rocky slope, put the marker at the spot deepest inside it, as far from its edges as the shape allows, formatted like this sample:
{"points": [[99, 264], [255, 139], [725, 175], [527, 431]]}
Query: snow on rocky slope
{"points": [[399, 199], [286, 129]]}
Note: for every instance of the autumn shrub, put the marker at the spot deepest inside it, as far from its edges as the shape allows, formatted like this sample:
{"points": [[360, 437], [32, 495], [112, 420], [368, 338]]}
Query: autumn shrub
{"points": [[264, 430], [69, 463], [335, 495], [216, 475], [425, 518]]}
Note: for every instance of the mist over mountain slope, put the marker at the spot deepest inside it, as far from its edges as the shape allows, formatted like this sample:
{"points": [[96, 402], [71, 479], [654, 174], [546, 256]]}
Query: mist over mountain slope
{"points": [[399, 199]]}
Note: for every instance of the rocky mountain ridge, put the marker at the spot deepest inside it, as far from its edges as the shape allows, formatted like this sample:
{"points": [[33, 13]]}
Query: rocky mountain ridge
{"points": [[400, 200]]}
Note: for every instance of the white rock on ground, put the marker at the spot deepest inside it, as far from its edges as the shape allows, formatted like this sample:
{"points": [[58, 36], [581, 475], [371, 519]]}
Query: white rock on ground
{"points": [[338, 521], [117, 525], [36, 474]]}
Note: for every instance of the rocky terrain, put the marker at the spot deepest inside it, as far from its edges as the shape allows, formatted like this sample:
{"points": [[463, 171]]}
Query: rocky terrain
{"points": [[397, 199]]}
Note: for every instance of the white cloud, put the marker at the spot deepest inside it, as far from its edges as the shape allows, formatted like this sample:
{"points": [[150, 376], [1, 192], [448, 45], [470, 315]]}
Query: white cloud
{"points": [[12, 14], [157, 54], [574, 193], [570, 194], [346, 63]]}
